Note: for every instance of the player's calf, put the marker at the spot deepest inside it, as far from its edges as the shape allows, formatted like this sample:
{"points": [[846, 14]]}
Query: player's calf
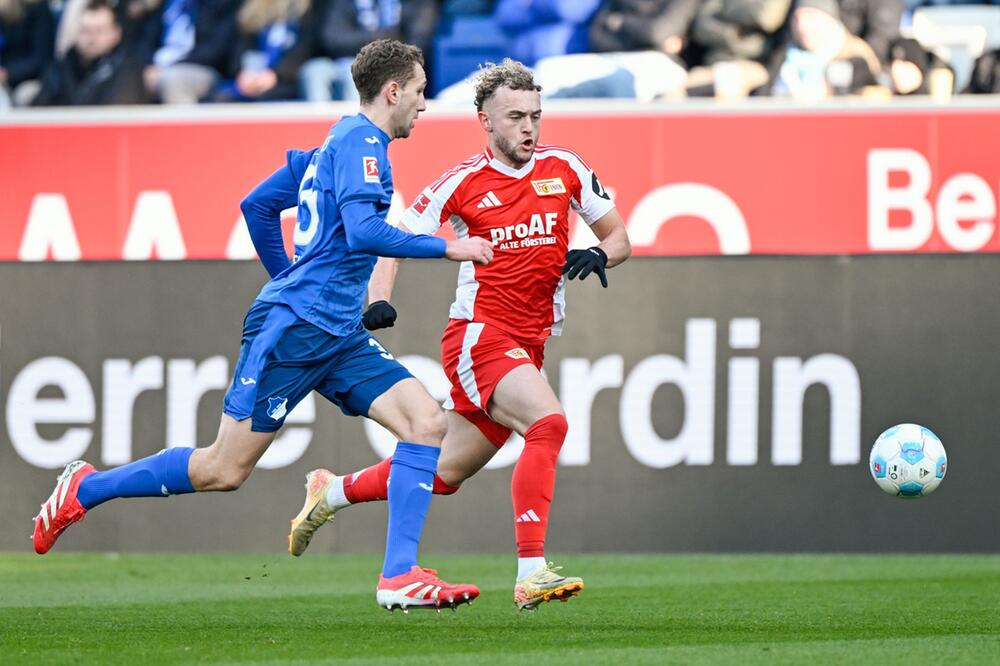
{"points": [[222, 478], [230, 459], [410, 413], [80, 488]]}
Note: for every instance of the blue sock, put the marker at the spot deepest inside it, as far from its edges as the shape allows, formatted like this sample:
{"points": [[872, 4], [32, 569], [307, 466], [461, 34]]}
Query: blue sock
{"points": [[411, 483], [165, 473]]}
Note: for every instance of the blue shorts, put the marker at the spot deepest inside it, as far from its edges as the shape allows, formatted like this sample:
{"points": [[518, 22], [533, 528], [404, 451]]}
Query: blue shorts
{"points": [[284, 357]]}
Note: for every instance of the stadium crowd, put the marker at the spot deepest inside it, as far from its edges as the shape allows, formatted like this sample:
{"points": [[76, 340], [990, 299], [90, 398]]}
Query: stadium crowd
{"points": [[92, 52]]}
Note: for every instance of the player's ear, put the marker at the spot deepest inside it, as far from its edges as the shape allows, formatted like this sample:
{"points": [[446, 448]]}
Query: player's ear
{"points": [[484, 120], [392, 92]]}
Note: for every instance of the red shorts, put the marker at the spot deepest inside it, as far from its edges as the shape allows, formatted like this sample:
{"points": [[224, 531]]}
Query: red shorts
{"points": [[476, 356]]}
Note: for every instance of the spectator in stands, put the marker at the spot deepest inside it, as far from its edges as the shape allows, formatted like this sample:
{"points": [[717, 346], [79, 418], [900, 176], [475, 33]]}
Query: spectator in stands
{"points": [[737, 38], [142, 24], [467, 7], [97, 70], [643, 25], [344, 26], [644, 40], [986, 75], [193, 48], [909, 66], [139, 20], [635, 46], [875, 21], [544, 28], [270, 51], [819, 57], [69, 25], [26, 35]]}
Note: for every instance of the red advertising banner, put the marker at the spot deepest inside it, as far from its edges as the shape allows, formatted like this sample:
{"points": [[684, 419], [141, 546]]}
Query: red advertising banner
{"points": [[719, 182]]}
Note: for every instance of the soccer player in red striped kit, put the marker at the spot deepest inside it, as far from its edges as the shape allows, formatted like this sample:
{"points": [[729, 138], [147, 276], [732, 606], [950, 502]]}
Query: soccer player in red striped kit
{"points": [[518, 195]]}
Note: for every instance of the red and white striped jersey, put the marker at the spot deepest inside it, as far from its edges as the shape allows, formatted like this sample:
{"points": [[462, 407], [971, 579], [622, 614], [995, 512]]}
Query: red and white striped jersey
{"points": [[525, 214]]}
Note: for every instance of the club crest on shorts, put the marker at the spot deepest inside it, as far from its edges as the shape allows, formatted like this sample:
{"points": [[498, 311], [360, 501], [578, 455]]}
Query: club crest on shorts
{"points": [[517, 352], [548, 187], [277, 407], [371, 169]]}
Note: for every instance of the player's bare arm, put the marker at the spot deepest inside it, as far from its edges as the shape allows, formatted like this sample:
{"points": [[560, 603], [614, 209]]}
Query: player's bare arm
{"points": [[380, 314], [614, 248], [383, 279], [610, 231], [474, 249]]}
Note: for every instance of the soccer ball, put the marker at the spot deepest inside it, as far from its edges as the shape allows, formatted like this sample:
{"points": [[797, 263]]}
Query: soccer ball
{"points": [[908, 460]]}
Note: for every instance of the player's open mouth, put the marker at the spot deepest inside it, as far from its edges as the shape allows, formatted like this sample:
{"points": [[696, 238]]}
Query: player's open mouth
{"points": [[528, 144]]}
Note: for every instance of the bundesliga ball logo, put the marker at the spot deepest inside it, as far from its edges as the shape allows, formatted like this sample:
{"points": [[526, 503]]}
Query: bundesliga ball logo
{"points": [[908, 460]]}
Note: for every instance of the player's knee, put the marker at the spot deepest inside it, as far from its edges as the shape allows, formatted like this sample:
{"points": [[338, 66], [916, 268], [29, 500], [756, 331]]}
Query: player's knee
{"points": [[225, 479], [555, 422], [438, 424], [213, 473], [231, 478], [561, 424], [552, 428], [427, 427]]}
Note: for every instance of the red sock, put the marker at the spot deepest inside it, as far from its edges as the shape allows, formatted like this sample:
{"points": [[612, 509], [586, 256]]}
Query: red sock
{"points": [[368, 485], [371, 484], [533, 482]]}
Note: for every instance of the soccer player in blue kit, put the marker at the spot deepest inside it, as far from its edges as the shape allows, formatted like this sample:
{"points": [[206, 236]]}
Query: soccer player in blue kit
{"points": [[304, 333]]}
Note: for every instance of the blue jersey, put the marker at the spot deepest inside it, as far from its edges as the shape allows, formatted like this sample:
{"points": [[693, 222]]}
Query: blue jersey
{"points": [[325, 283]]}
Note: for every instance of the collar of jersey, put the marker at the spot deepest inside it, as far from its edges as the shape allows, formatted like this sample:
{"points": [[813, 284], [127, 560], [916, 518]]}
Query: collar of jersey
{"points": [[508, 170], [375, 127]]}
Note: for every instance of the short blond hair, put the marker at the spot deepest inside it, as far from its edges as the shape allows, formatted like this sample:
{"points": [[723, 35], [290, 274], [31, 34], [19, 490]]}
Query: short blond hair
{"points": [[508, 74]]}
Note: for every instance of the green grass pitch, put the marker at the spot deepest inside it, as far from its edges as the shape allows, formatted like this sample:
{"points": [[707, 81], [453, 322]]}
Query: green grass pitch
{"points": [[638, 609]]}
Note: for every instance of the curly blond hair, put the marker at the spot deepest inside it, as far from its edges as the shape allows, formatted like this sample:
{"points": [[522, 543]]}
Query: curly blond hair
{"points": [[508, 74]]}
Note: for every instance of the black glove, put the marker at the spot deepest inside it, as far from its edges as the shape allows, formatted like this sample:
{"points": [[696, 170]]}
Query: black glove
{"points": [[379, 315], [582, 262]]}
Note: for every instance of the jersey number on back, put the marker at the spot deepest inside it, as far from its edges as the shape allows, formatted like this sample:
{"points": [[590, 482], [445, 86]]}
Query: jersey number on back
{"points": [[308, 215]]}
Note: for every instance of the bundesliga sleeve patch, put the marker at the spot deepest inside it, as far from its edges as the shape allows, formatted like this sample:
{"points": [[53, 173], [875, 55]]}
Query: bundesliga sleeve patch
{"points": [[371, 169], [548, 187], [421, 204]]}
